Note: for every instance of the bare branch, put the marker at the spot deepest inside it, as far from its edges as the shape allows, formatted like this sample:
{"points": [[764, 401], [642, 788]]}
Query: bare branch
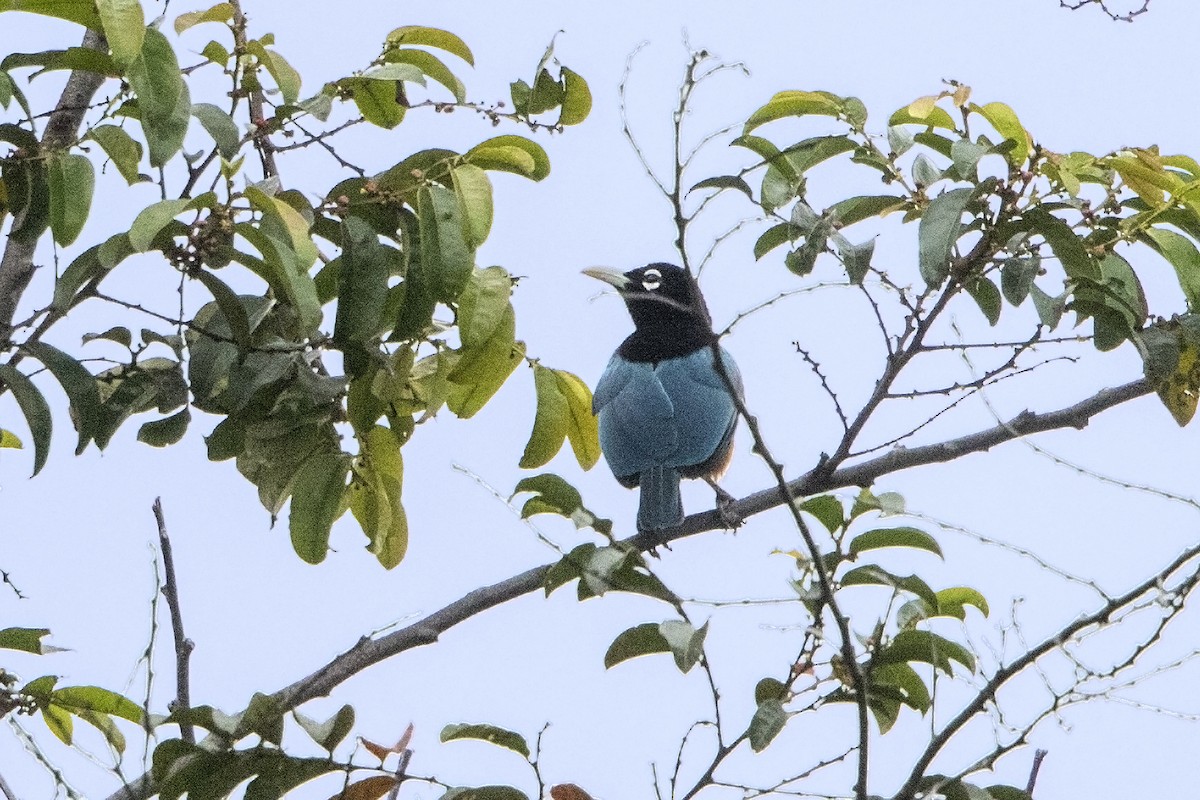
{"points": [[1104, 5], [183, 645]]}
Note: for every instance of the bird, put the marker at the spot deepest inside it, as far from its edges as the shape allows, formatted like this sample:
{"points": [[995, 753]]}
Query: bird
{"points": [[665, 412]]}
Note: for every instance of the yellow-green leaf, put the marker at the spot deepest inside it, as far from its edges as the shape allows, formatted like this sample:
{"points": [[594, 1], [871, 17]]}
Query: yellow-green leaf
{"points": [[124, 151], [511, 153], [431, 37], [124, 28], [550, 422], [1181, 390], [577, 98], [1006, 123], [794, 104], [482, 370], [375, 496], [221, 12], [582, 432]]}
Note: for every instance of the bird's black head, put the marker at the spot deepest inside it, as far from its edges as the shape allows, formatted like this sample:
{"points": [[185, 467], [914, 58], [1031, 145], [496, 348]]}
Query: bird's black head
{"points": [[669, 314]]}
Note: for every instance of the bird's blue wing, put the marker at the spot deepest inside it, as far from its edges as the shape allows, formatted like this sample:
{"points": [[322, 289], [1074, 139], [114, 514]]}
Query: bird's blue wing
{"points": [[705, 414], [637, 428]]}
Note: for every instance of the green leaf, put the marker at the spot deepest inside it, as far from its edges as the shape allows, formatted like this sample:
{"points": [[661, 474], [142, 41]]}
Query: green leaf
{"points": [[430, 65], [376, 101], [768, 722], [1049, 309], [1180, 253], [553, 495], [59, 721], [221, 12], [121, 148], [484, 793], [641, 640], [952, 602], [487, 733], [79, 385], [941, 226], [773, 237], [550, 423], [725, 182], [152, 219], [9, 440], [827, 509], [362, 288], [482, 306], [216, 53], [431, 37], [35, 409], [925, 172], [872, 575], [375, 496], [124, 27], [794, 104], [986, 296], [94, 698], [924, 647], [332, 731], [28, 197], [480, 372], [1016, 277], [72, 181], [166, 431], [966, 154], [808, 153], [511, 153], [855, 257], [220, 127], [446, 258], [686, 643], [1067, 246], [582, 429], [1006, 123], [285, 75], [893, 537], [770, 689], [396, 72], [230, 305], [316, 503], [474, 193], [923, 111], [162, 95], [577, 98], [26, 640], [856, 209], [165, 137]]}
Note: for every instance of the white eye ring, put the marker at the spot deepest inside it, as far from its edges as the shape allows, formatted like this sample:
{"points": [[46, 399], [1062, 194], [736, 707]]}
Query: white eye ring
{"points": [[651, 280]]}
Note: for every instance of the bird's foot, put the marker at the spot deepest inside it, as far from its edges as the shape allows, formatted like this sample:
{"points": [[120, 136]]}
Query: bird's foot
{"points": [[725, 507]]}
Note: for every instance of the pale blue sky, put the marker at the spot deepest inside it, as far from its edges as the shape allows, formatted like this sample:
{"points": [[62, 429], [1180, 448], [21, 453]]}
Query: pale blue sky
{"points": [[77, 538]]}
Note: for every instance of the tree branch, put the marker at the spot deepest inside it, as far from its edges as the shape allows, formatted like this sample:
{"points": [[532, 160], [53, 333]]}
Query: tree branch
{"points": [[16, 266], [183, 645], [368, 652]]}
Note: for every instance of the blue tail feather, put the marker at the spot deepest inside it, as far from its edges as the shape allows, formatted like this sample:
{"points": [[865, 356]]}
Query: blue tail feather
{"points": [[660, 505]]}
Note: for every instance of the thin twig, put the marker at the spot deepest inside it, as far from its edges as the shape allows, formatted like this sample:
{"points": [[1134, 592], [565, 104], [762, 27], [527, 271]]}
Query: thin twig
{"points": [[183, 645]]}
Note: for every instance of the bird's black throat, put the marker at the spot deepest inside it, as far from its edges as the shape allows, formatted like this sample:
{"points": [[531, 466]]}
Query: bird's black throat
{"points": [[670, 321]]}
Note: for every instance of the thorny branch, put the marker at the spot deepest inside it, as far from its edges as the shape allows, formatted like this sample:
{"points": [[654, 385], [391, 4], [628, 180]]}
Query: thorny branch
{"points": [[183, 645], [1106, 7]]}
